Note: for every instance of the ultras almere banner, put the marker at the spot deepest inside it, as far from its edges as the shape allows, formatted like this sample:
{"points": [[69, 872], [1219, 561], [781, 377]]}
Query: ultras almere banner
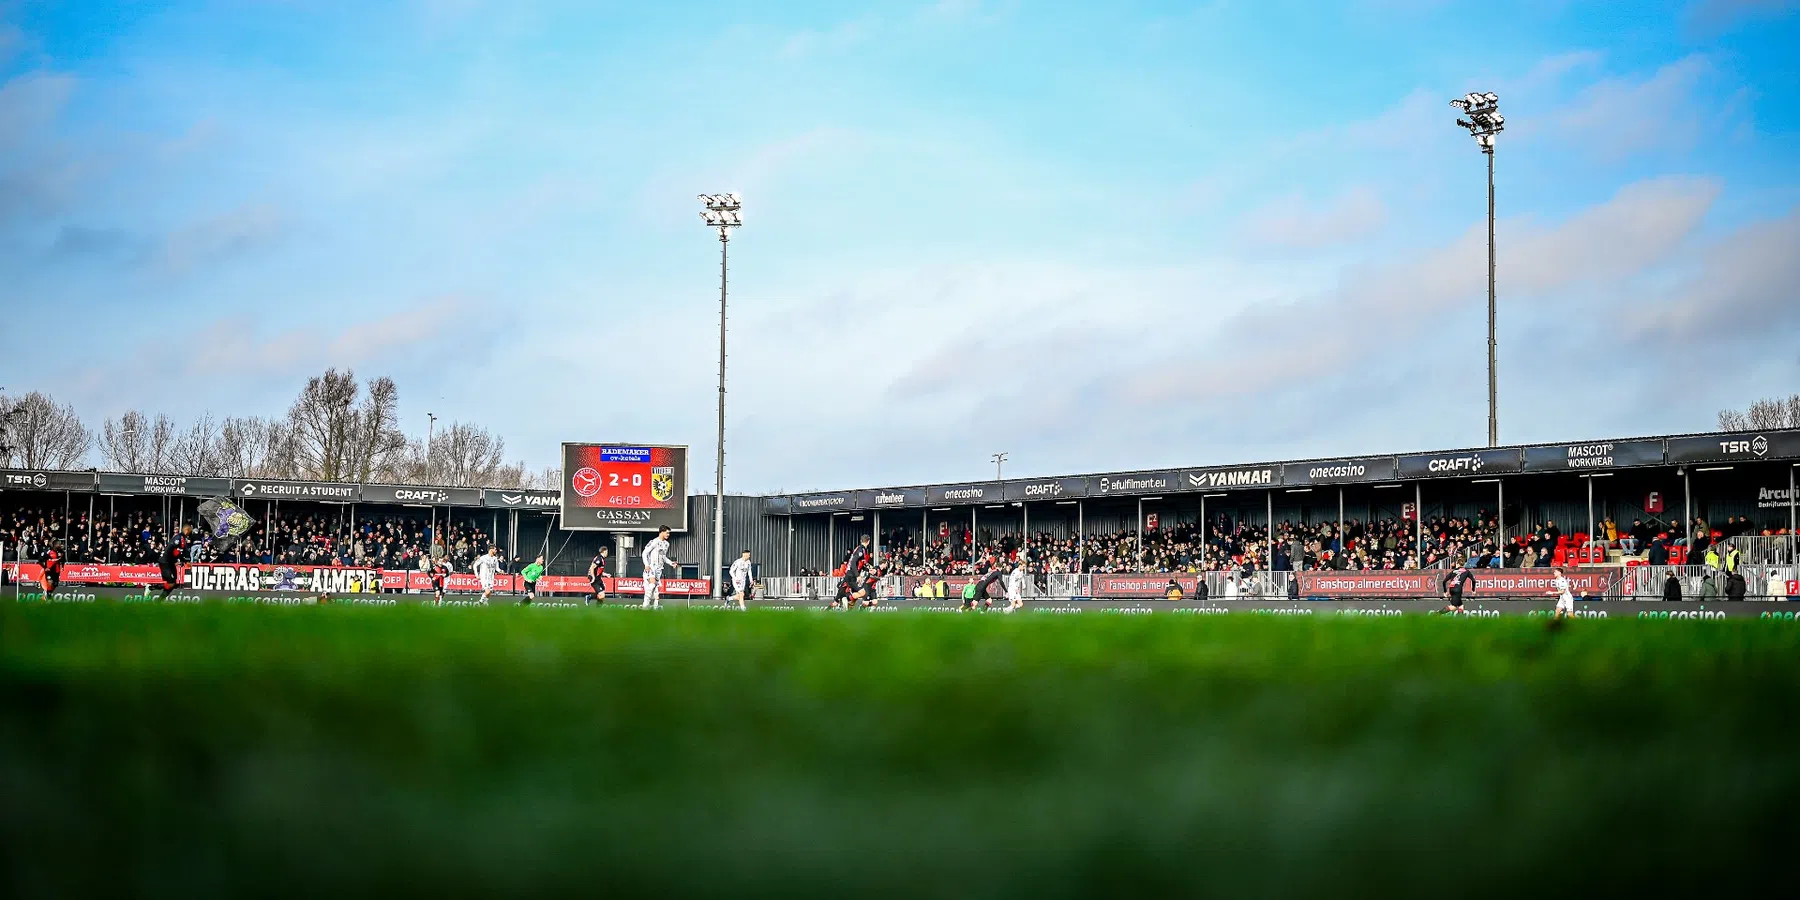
{"points": [[1776, 614], [332, 579]]}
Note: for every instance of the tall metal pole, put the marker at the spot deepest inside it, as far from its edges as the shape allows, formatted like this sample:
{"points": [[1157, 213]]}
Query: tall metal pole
{"points": [[1493, 381], [1140, 534], [1419, 524], [1687, 506], [1500, 519], [718, 553], [1080, 535], [1590, 529], [722, 211]]}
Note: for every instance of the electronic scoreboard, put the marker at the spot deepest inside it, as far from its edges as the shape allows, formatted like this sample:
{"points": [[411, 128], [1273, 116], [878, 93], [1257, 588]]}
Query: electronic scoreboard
{"points": [[624, 487]]}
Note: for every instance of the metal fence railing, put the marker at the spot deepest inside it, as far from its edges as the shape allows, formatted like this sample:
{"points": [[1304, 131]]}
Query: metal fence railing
{"points": [[1762, 582], [1701, 583]]}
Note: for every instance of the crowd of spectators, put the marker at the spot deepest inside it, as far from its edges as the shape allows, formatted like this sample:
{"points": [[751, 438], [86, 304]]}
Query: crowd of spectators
{"points": [[1223, 545], [1220, 545], [137, 538]]}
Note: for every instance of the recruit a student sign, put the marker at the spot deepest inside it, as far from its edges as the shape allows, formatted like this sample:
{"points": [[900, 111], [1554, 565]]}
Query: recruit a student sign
{"points": [[624, 487]]}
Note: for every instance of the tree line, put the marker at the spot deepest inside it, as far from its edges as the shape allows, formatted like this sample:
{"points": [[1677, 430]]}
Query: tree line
{"points": [[336, 429], [1764, 415]]}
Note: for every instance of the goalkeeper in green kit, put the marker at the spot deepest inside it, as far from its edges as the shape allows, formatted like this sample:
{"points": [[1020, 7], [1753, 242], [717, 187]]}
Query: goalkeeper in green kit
{"points": [[530, 576]]}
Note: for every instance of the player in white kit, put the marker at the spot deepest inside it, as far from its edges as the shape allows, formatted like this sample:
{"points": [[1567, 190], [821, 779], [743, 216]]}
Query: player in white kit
{"points": [[1565, 600], [656, 558], [487, 568], [742, 583], [1015, 588]]}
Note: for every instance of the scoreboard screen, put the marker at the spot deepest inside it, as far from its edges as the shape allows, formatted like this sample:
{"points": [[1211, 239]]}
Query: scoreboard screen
{"points": [[624, 487]]}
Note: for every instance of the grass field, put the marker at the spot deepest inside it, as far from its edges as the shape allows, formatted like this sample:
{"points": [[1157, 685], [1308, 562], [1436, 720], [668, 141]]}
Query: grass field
{"points": [[246, 751]]}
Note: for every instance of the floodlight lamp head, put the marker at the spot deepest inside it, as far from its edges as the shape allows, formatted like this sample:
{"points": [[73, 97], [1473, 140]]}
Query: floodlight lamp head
{"points": [[1460, 104], [1491, 97]]}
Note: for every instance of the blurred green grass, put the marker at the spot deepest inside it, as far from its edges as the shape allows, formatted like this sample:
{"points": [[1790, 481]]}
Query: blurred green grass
{"points": [[214, 751]]}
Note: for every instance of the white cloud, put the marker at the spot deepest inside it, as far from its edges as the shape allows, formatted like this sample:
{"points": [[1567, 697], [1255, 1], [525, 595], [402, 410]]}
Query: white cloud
{"points": [[236, 359], [221, 237], [838, 38], [31, 102], [1290, 223], [1619, 117], [1719, 15], [11, 41]]}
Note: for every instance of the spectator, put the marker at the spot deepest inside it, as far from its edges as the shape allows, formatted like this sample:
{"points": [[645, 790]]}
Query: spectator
{"points": [[1735, 586], [1672, 589]]}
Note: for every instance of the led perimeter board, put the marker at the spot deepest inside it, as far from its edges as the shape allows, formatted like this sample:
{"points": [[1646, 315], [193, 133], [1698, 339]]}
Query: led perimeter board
{"points": [[624, 487]]}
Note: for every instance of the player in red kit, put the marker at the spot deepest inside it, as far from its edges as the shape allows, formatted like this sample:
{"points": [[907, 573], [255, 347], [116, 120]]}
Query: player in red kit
{"points": [[439, 571], [53, 563]]}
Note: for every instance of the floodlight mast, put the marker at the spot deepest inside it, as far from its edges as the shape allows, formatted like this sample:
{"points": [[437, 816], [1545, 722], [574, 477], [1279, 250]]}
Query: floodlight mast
{"points": [[723, 212], [1483, 122]]}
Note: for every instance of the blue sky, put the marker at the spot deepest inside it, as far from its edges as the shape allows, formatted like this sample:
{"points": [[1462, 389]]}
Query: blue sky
{"points": [[1097, 237]]}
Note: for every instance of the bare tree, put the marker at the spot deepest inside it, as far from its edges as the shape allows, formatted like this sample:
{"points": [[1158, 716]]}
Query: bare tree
{"points": [[197, 450], [339, 432], [10, 414], [323, 422], [125, 442], [161, 452], [255, 448], [378, 444], [462, 455], [43, 435], [1763, 415], [549, 478]]}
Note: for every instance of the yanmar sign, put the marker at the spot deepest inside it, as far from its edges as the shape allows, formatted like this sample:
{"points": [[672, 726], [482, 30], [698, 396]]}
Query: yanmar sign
{"points": [[506, 499], [1214, 479]]}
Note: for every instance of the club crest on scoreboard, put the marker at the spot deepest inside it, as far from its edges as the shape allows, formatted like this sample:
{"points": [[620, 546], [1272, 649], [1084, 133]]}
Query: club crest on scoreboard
{"points": [[662, 483]]}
